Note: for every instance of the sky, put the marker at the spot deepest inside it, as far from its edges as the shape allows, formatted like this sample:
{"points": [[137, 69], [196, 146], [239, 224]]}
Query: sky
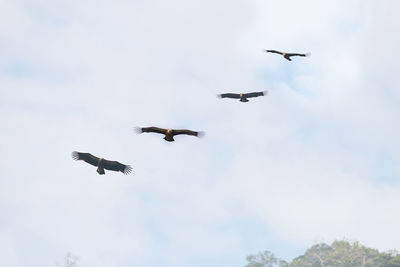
{"points": [[315, 160]]}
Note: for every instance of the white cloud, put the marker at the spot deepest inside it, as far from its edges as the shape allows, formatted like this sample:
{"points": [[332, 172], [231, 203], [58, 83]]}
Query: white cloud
{"points": [[305, 160]]}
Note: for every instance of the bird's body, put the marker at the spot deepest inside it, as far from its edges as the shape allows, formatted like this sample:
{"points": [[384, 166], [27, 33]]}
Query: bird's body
{"points": [[102, 163], [100, 168], [169, 133], [242, 97], [287, 55]]}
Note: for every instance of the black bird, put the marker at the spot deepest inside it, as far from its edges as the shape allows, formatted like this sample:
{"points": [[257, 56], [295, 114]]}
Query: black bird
{"points": [[101, 163], [287, 55], [169, 133], [242, 97]]}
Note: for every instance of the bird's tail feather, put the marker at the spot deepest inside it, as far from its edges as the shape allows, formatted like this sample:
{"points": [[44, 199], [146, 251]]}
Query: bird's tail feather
{"points": [[100, 171]]}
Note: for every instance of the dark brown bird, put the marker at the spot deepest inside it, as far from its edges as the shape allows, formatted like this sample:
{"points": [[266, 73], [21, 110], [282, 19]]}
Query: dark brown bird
{"points": [[242, 97], [169, 133], [102, 163], [287, 55]]}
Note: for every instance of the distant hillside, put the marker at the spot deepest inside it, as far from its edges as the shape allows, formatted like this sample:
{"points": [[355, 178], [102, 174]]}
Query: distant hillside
{"points": [[338, 254]]}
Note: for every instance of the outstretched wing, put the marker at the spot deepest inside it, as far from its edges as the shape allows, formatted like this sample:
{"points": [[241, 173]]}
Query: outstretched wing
{"points": [[87, 157], [274, 51], [116, 166], [187, 132], [229, 95], [255, 94], [151, 130], [297, 54]]}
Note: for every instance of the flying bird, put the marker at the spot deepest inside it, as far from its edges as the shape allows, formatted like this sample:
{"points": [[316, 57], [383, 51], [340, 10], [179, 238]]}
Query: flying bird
{"points": [[169, 133], [101, 163], [287, 55], [242, 97]]}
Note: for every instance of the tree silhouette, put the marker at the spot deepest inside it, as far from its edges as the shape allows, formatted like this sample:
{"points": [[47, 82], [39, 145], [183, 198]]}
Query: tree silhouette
{"points": [[70, 260]]}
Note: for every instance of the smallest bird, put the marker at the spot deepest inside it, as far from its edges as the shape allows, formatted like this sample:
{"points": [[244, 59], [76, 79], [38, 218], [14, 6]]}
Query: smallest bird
{"points": [[169, 133], [287, 55], [241, 96]]}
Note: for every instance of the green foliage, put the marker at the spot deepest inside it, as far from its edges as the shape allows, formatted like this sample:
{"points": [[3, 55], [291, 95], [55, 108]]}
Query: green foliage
{"points": [[265, 259], [338, 254]]}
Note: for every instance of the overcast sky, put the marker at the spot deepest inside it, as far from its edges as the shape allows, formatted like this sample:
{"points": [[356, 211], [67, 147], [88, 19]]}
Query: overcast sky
{"points": [[315, 160]]}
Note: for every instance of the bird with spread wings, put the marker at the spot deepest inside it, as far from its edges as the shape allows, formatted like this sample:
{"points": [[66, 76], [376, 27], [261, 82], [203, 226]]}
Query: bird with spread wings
{"points": [[241, 96], [169, 133], [101, 163], [287, 55]]}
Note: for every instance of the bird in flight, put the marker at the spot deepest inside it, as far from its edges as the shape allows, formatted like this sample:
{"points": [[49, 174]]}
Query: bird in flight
{"points": [[287, 55], [242, 97], [169, 133], [101, 163]]}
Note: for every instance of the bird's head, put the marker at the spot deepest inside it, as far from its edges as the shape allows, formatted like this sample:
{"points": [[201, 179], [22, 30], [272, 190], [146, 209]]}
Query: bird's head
{"points": [[241, 95], [169, 131]]}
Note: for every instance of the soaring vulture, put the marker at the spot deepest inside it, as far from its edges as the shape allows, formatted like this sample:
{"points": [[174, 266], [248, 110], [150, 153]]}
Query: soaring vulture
{"points": [[102, 163], [242, 97], [169, 133], [287, 55]]}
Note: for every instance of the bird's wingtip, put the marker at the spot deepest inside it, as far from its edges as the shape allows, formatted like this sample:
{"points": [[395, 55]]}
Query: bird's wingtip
{"points": [[128, 169], [201, 134], [75, 155], [137, 129]]}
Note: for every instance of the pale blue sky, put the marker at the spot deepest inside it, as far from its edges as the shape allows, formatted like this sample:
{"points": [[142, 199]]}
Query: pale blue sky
{"points": [[315, 160]]}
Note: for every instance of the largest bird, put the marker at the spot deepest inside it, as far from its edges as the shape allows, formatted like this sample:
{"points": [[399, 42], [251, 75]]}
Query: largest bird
{"points": [[101, 163], [169, 133]]}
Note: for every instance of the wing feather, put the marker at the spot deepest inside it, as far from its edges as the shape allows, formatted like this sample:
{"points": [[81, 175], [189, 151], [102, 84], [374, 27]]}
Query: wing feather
{"points": [[295, 54], [274, 51], [229, 95], [255, 94], [87, 157], [116, 166], [187, 132], [151, 130]]}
